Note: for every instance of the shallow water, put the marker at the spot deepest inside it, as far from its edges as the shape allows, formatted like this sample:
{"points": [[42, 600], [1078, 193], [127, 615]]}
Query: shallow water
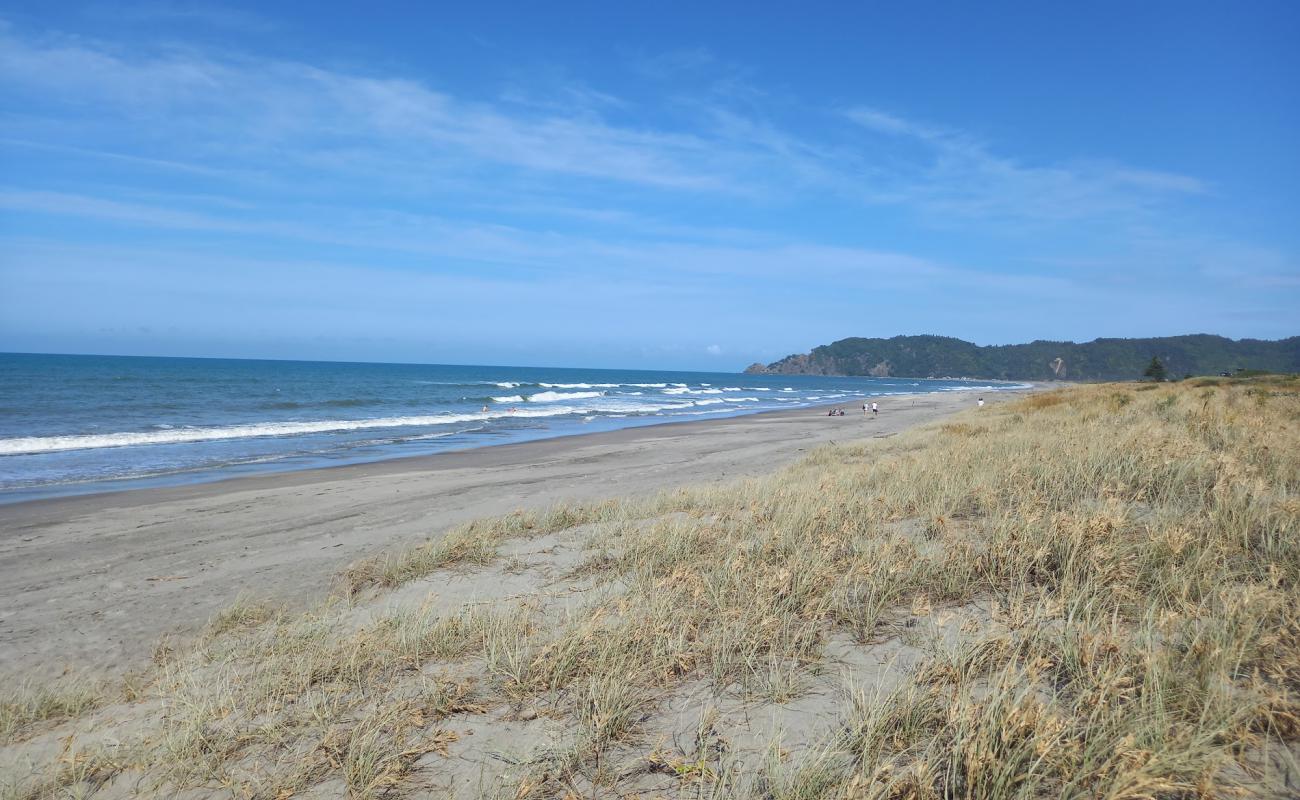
{"points": [[71, 424]]}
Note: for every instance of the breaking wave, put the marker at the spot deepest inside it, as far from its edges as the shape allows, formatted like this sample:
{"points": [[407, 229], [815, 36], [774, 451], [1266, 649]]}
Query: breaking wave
{"points": [[550, 397], [51, 444]]}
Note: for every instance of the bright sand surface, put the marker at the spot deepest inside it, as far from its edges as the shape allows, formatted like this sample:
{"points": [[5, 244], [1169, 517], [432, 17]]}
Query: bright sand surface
{"points": [[94, 582]]}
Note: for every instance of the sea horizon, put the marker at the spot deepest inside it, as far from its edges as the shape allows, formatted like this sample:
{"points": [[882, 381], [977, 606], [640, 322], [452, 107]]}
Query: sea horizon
{"points": [[83, 423]]}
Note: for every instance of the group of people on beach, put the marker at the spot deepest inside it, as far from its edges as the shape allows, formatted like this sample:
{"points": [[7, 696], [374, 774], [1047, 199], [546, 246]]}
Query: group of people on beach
{"points": [[867, 410], [873, 409]]}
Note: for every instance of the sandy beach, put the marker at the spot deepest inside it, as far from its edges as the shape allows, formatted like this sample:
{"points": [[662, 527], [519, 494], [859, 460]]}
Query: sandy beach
{"points": [[93, 582]]}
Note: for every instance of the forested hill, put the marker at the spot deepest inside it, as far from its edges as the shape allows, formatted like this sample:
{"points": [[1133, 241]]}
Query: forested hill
{"points": [[1102, 359]]}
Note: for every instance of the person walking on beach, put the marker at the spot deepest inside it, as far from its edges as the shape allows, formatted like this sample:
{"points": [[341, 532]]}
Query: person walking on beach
{"points": [[981, 402], [875, 410], [864, 409]]}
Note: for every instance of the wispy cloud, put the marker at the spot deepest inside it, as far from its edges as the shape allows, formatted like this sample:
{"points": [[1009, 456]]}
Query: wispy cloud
{"points": [[550, 255], [952, 172], [270, 104], [882, 122], [228, 107]]}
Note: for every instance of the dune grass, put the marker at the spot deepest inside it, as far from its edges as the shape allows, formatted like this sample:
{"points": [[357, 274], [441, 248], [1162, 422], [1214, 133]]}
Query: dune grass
{"points": [[1126, 560], [29, 703]]}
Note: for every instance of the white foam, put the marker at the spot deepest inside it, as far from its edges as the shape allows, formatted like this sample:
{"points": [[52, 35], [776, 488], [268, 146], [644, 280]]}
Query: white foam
{"points": [[613, 407], [514, 398], [601, 385], [417, 438], [507, 385], [551, 397], [51, 444], [677, 390]]}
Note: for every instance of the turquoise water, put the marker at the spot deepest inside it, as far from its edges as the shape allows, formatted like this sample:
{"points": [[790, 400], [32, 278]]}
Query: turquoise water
{"points": [[71, 424]]}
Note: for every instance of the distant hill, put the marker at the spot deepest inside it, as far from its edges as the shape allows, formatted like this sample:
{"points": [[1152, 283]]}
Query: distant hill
{"points": [[1101, 359]]}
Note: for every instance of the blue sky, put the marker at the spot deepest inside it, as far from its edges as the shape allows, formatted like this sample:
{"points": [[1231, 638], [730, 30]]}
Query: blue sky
{"points": [[641, 184]]}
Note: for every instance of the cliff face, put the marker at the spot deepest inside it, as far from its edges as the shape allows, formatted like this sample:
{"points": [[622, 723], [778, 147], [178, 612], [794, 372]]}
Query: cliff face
{"points": [[1101, 359]]}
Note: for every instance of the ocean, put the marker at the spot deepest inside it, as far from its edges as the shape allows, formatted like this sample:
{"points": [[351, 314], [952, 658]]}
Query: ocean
{"points": [[75, 424]]}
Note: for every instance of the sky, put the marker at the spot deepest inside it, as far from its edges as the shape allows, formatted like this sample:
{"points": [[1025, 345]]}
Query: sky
{"points": [[637, 184]]}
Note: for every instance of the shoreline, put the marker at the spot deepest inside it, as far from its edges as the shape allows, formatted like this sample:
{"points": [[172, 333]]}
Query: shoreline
{"points": [[93, 581], [219, 475]]}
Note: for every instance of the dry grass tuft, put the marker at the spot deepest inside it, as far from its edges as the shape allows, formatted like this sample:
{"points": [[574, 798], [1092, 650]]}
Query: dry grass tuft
{"points": [[472, 544], [1038, 402], [29, 703]]}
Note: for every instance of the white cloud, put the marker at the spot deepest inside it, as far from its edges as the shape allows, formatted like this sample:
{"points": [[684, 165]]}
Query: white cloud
{"points": [[883, 122], [694, 265], [955, 174], [260, 104], [184, 106]]}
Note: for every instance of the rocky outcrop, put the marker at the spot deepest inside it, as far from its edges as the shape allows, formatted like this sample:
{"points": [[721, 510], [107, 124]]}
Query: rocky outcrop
{"points": [[803, 364]]}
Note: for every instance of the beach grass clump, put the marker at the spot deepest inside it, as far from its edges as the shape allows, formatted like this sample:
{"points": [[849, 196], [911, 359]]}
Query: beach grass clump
{"points": [[28, 703], [245, 612], [301, 698], [1096, 588], [473, 544], [75, 772]]}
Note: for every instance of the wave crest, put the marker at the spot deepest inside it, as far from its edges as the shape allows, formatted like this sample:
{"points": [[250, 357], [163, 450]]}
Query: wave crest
{"points": [[29, 445], [550, 397]]}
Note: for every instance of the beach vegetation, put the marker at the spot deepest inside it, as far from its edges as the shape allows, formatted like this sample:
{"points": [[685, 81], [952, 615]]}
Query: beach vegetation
{"points": [[30, 702], [1082, 593]]}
